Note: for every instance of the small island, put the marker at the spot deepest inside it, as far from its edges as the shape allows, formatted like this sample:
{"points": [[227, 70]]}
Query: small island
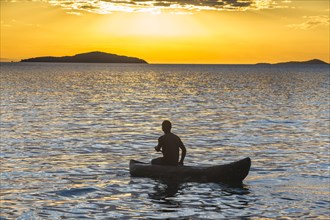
{"points": [[91, 57], [294, 63]]}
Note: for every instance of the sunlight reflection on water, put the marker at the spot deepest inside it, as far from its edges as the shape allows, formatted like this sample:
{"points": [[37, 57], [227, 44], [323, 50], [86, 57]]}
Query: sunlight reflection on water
{"points": [[69, 130]]}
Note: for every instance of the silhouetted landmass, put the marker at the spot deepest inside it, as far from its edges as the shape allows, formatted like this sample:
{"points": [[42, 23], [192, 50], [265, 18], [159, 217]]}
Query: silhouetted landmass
{"points": [[314, 61], [309, 62], [92, 57]]}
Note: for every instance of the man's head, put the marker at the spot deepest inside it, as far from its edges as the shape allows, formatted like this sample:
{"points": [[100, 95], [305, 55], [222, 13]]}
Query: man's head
{"points": [[166, 126]]}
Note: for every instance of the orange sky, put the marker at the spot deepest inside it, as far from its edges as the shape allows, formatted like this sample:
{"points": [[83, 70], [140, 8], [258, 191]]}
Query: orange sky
{"points": [[175, 31]]}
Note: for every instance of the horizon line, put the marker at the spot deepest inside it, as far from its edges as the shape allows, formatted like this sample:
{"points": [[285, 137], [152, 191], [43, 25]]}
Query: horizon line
{"points": [[259, 63]]}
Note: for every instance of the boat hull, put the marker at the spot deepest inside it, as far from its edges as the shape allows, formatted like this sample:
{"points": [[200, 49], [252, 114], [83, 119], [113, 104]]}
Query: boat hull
{"points": [[228, 173]]}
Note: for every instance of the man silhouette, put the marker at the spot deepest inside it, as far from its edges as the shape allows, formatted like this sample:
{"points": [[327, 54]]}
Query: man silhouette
{"points": [[169, 144]]}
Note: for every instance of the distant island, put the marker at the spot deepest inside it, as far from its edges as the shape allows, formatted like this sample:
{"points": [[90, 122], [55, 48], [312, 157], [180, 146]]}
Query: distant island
{"points": [[308, 62], [91, 57]]}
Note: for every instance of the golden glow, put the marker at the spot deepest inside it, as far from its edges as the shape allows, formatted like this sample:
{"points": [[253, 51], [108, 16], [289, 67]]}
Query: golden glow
{"points": [[247, 31]]}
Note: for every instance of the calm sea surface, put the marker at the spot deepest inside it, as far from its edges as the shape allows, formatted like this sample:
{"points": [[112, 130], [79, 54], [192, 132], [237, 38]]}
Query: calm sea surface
{"points": [[68, 132]]}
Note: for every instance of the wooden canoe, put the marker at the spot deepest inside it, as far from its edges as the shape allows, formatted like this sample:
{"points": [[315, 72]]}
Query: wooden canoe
{"points": [[228, 173]]}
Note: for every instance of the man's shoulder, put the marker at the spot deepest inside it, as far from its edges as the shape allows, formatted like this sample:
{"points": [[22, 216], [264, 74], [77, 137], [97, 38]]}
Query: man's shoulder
{"points": [[162, 137], [175, 136], [167, 135]]}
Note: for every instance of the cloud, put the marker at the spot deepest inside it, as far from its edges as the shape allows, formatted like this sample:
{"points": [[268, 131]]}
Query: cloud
{"points": [[312, 22], [109, 6], [13, 22]]}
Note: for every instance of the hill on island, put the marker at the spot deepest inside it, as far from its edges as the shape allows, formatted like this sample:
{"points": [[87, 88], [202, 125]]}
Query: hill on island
{"points": [[314, 61], [91, 57], [308, 62]]}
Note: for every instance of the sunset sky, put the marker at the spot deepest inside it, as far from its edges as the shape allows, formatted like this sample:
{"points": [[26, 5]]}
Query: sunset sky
{"points": [[168, 31]]}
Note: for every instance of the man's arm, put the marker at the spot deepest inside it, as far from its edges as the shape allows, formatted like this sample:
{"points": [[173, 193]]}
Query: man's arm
{"points": [[159, 146], [183, 153]]}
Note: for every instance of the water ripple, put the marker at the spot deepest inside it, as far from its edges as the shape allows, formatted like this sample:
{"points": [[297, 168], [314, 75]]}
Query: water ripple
{"points": [[68, 132]]}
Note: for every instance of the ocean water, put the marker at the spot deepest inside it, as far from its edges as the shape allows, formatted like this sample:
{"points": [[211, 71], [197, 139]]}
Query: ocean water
{"points": [[68, 132]]}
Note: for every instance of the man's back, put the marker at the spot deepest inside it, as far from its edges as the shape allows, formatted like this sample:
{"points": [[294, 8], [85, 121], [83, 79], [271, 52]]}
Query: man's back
{"points": [[170, 144]]}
